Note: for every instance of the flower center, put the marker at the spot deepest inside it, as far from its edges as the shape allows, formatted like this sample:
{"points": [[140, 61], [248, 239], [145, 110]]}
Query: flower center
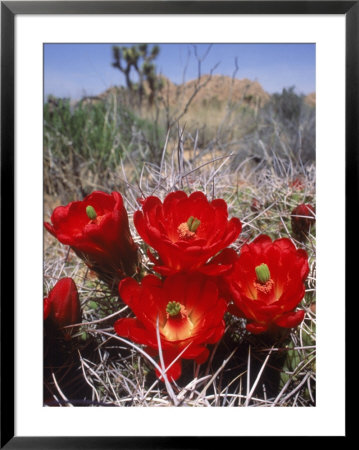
{"points": [[187, 230], [91, 213], [264, 283], [173, 309], [178, 325], [265, 288]]}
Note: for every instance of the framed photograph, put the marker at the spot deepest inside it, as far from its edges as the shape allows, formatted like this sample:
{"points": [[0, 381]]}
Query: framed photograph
{"points": [[175, 179]]}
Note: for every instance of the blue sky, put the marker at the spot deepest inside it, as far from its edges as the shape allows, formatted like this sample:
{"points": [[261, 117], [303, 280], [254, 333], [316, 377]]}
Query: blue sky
{"points": [[75, 70]]}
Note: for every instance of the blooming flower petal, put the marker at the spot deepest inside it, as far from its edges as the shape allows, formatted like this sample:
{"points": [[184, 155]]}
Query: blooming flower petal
{"points": [[256, 328], [290, 319]]}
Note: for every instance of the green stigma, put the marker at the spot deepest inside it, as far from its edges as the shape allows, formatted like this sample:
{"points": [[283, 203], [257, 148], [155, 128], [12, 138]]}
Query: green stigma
{"points": [[173, 308], [91, 213], [193, 223], [263, 274]]}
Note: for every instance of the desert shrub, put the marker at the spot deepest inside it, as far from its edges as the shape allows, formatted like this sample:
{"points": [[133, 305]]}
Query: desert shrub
{"points": [[290, 124], [88, 140], [284, 129]]}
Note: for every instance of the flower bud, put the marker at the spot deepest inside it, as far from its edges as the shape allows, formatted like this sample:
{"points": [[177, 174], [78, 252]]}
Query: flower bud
{"points": [[302, 219], [62, 306]]}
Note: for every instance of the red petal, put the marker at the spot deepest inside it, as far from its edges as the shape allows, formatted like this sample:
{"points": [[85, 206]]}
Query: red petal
{"points": [[198, 195], [134, 330], [303, 257], [145, 299], [129, 290], [215, 269], [291, 319], [65, 304], [50, 228], [227, 256], [47, 308], [235, 311], [173, 372], [256, 328], [202, 355], [102, 201], [262, 239], [285, 244], [140, 224], [164, 270]]}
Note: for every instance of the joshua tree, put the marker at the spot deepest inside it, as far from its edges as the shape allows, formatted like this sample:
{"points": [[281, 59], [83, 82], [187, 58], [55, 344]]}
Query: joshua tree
{"points": [[139, 59]]}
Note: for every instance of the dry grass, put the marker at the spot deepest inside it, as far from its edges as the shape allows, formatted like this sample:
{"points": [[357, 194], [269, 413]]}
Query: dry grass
{"points": [[98, 368]]}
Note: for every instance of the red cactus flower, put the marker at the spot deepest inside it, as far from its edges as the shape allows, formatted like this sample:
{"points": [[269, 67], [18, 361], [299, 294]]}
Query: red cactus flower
{"points": [[189, 314], [97, 230], [62, 306], [302, 219], [185, 230], [267, 284]]}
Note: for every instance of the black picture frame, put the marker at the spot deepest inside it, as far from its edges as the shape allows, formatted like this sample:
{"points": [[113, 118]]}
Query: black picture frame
{"points": [[9, 9]]}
